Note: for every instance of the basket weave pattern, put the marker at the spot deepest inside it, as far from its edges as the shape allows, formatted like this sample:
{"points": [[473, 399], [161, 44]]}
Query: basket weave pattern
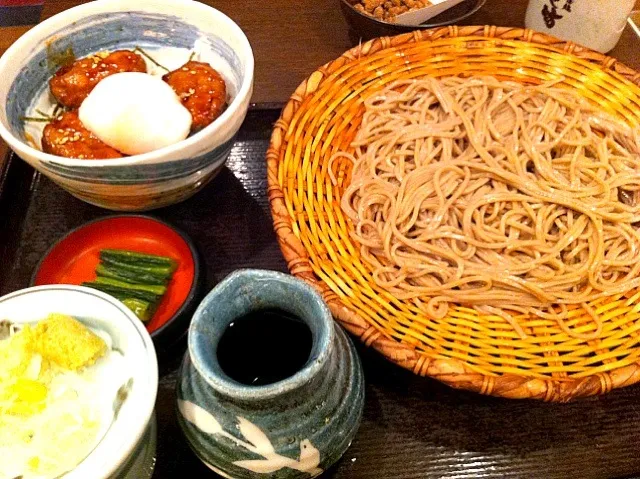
{"points": [[464, 350]]}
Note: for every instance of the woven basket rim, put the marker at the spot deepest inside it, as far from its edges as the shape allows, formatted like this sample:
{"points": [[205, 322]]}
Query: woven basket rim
{"points": [[451, 371]]}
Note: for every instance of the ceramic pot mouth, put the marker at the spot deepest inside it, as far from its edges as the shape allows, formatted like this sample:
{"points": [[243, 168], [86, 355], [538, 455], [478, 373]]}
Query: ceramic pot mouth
{"points": [[248, 290]]}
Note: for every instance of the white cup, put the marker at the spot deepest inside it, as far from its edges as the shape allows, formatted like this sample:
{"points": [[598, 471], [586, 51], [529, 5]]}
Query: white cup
{"points": [[596, 24]]}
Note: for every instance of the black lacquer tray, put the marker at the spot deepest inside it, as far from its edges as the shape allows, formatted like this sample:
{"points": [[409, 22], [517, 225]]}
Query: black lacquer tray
{"points": [[412, 427]]}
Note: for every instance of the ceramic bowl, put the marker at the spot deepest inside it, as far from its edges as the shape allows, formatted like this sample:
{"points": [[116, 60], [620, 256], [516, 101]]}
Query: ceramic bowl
{"points": [[128, 448], [150, 180], [74, 258], [368, 27]]}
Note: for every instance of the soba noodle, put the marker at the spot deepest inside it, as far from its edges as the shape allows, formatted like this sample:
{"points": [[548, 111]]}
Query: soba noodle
{"points": [[494, 195]]}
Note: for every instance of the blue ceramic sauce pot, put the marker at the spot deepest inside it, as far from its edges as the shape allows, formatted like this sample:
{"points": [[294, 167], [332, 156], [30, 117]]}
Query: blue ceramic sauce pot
{"points": [[294, 428]]}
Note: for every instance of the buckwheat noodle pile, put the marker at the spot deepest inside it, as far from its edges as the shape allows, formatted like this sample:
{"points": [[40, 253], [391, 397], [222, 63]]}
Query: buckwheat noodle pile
{"points": [[506, 198]]}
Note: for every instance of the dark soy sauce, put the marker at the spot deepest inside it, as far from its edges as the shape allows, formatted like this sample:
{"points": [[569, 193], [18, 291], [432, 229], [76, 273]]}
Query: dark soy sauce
{"points": [[264, 347]]}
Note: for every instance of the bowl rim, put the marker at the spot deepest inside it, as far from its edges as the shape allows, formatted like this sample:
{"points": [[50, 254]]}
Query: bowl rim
{"points": [[401, 26], [112, 459], [67, 17], [196, 282], [321, 349]]}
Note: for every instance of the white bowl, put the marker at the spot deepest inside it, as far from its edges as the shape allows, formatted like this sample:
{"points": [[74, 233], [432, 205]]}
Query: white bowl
{"points": [[139, 182], [128, 448]]}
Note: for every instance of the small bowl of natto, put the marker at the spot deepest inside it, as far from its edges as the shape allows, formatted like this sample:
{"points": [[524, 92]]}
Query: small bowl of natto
{"points": [[367, 24]]}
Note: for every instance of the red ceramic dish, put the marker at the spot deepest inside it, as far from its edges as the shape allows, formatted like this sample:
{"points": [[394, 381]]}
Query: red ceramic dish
{"points": [[74, 258]]}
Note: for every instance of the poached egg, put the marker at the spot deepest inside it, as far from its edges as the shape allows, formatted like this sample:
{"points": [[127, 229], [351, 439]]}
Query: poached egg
{"points": [[135, 113]]}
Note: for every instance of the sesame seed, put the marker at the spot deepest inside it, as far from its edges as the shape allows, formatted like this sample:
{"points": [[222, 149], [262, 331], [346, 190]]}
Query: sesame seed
{"points": [[192, 72], [185, 69]]}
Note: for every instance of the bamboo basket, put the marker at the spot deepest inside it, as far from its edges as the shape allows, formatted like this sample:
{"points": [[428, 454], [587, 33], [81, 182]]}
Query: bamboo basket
{"points": [[464, 350]]}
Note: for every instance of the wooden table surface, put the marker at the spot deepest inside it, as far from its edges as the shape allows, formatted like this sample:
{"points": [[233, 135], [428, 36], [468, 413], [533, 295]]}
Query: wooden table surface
{"points": [[292, 38]]}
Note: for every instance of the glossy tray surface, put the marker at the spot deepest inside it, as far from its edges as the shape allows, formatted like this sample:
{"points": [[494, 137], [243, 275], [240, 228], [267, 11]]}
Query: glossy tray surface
{"points": [[413, 428]]}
